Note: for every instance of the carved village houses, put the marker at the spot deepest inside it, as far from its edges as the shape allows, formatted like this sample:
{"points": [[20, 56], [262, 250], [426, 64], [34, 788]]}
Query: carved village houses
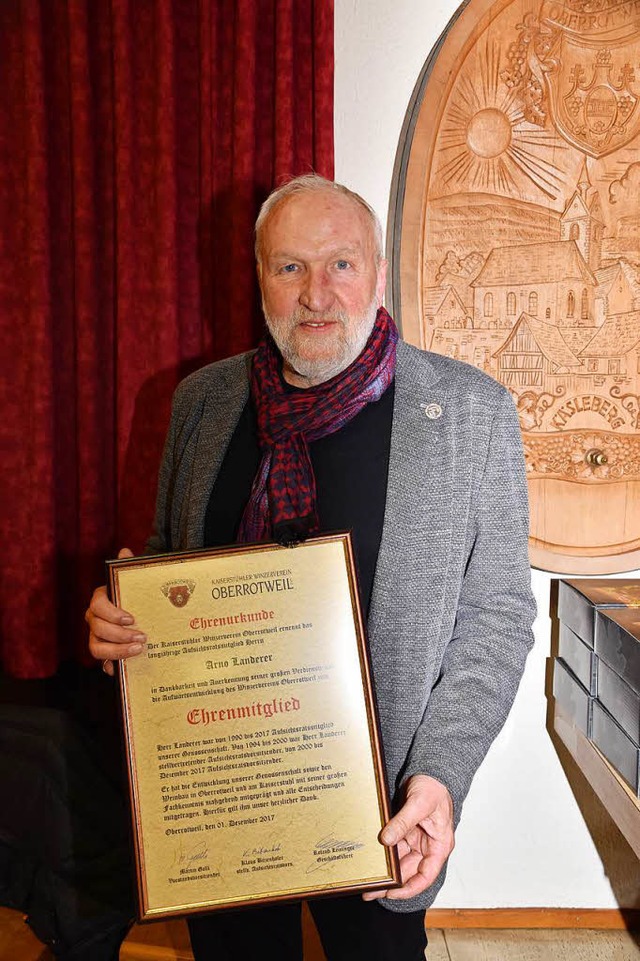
{"points": [[562, 310]]}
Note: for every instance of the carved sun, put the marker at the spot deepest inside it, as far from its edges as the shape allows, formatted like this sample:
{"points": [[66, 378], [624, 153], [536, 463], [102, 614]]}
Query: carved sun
{"points": [[487, 143], [489, 133]]}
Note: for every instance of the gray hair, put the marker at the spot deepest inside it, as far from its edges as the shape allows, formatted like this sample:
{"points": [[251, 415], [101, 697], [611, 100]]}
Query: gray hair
{"points": [[314, 183]]}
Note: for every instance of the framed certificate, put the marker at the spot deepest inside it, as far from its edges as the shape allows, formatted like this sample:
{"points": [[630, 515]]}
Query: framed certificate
{"points": [[253, 751]]}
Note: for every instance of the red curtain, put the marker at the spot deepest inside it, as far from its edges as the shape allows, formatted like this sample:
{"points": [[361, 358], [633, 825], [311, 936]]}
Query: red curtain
{"points": [[137, 140]]}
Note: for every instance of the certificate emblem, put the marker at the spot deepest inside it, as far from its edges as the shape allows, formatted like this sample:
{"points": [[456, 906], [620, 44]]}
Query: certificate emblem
{"points": [[178, 593]]}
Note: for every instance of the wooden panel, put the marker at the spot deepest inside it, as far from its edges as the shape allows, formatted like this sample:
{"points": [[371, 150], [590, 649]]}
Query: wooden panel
{"points": [[615, 795], [532, 918], [516, 248]]}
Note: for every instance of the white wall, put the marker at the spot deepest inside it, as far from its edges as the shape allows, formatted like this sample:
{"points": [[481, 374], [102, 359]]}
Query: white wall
{"points": [[523, 840]]}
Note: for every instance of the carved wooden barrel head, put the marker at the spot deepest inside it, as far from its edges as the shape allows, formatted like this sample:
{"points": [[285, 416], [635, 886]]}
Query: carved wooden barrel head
{"points": [[515, 238]]}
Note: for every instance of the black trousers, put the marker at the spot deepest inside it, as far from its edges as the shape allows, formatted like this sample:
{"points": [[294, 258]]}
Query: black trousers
{"points": [[350, 929]]}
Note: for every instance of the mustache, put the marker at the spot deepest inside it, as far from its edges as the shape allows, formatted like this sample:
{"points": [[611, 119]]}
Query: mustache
{"points": [[302, 315]]}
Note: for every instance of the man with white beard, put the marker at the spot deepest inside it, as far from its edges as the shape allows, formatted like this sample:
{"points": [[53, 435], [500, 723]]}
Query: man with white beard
{"points": [[335, 424]]}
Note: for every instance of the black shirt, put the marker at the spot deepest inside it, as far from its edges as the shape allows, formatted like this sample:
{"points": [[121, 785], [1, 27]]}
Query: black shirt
{"points": [[350, 468]]}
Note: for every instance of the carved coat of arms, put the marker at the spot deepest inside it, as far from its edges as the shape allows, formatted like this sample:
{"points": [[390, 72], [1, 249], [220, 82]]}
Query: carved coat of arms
{"points": [[590, 76]]}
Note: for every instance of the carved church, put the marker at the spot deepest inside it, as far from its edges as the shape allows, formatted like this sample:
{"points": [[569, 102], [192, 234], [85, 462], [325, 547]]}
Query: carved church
{"points": [[559, 308]]}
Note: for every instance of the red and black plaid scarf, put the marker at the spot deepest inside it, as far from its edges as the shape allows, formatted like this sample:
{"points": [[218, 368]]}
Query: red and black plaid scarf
{"points": [[282, 505]]}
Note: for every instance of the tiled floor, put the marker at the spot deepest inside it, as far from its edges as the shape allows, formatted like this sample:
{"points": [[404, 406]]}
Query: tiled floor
{"points": [[18, 944]]}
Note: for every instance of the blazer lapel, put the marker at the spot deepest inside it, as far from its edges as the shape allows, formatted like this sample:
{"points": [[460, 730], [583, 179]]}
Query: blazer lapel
{"points": [[222, 408], [415, 546]]}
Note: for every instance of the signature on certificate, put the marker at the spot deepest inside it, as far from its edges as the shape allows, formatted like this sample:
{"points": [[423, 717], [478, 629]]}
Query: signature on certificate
{"points": [[262, 851], [329, 849], [190, 854], [331, 843]]}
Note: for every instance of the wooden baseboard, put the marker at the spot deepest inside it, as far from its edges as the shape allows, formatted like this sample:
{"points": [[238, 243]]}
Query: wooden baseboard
{"points": [[616, 919]]}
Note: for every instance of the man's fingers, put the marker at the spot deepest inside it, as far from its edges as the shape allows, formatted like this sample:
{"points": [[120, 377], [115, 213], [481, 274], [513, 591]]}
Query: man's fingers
{"points": [[113, 632], [409, 863], [403, 848], [427, 802], [106, 651], [418, 873], [412, 811], [374, 895], [413, 886], [404, 855], [102, 607], [423, 831], [109, 641]]}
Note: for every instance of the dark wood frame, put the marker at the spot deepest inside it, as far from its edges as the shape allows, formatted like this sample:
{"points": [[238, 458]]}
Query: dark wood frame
{"points": [[115, 567]]}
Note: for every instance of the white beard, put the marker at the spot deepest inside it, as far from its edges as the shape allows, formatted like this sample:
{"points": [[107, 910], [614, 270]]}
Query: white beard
{"points": [[351, 341]]}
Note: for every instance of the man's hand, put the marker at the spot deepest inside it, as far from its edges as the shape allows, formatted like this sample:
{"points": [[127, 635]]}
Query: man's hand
{"points": [[423, 831], [113, 632]]}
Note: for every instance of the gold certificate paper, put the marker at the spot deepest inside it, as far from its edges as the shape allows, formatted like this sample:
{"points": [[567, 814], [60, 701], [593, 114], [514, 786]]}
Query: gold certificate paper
{"points": [[253, 750]]}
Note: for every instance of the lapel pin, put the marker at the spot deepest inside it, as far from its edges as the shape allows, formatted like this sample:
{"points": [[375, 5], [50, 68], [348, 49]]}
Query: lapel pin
{"points": [[432, 411]]}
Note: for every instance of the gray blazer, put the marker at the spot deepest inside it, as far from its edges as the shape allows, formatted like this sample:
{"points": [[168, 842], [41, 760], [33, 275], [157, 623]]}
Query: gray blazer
{"points": [[451, 609]]}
